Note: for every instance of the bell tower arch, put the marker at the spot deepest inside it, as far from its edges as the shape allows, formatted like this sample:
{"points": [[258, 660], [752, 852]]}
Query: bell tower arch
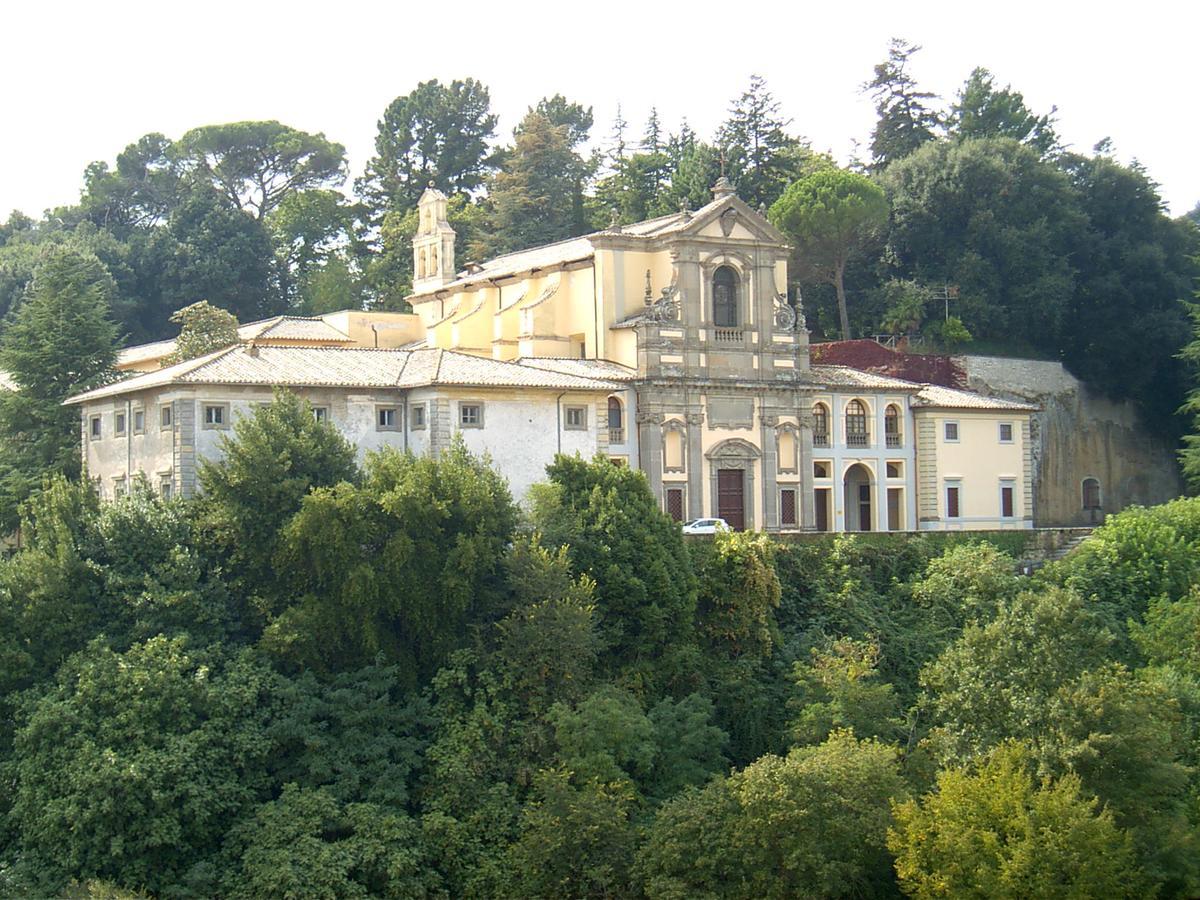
{"points": [[433, 244]]}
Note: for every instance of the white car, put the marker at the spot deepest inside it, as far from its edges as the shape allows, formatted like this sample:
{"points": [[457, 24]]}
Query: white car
{"points": [[705, 526]]}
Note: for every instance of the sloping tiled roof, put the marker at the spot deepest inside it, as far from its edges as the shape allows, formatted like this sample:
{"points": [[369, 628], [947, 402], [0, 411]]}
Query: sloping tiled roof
{"points": [[844, 376], [292, 328], [938, 397], [584, 368], [279, 328], [143, 352], [347, 367], [571, 250], [465, 369]]}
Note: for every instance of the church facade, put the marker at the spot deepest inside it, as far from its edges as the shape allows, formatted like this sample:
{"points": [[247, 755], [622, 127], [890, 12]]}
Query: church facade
{"points": [[669, 345]]}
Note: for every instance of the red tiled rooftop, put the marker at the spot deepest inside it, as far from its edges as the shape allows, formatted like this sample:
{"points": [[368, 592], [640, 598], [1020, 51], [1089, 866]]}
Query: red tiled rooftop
{"points": [[869, 356]]}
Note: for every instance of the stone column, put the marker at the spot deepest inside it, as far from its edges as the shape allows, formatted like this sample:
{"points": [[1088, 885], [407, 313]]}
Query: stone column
{"points": [[808, 496], [695, 464], [770, 465]]}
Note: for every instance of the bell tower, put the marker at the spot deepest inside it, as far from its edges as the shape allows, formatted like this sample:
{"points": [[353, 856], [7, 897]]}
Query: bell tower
{"points": [[433, 244]]}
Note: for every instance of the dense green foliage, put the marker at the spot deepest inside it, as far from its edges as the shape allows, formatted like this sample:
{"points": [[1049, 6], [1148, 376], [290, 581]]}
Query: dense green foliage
{"points": [[390, 681]]}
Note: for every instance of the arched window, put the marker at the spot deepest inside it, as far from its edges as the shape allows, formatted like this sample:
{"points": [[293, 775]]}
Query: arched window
{"points": [[1091, 493], [616, 425], [820, 425], [725, 298], [856, 424], [891, 425]]}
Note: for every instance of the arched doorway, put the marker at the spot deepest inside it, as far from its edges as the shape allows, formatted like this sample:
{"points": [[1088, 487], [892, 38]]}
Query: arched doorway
{"points": [[859, 511]]}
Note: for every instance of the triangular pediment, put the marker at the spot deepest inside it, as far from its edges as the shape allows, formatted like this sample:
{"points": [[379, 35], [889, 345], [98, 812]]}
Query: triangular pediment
{"points": [[734, 219]]}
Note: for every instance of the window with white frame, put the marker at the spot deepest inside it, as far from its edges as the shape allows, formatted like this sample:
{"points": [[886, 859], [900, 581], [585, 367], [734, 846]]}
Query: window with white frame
{"points": [[950, 432], [321, 414], [575, 418], [387, 418], [891, 426], [856, 424], [216, 415], [470, 415], [1006, 432], [820, 415]]}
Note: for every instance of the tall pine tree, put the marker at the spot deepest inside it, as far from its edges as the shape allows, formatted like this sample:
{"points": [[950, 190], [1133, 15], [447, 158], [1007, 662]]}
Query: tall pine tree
{"points": [[906, 120], [60, 342]]}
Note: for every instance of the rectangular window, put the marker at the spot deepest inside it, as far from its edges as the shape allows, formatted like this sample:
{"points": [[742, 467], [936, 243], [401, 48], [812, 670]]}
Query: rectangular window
{"points": [[166, 487], [216, 415], [1006, 432], [165, 416], [321, 414], [953, 501], [417, 416], [139, 421], [1008, 491], [119, 424], [96, 428], [575, 418], [820, 470], [119, 487], [951, 432], [787, 508], [675, 503], [895, 470], [386, 418], [470, 415]]}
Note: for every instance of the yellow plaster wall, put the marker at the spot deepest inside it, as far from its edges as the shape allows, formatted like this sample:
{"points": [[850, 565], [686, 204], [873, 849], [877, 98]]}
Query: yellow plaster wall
{"points": [[979, 461]]}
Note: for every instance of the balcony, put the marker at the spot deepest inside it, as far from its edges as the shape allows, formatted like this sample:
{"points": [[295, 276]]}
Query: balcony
{"points": [[616, 435], [820, 439], [858, 439], [894, 442], [727, 335]]}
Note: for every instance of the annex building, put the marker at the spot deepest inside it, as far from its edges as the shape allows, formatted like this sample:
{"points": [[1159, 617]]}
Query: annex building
{"points": [[668, 345]]}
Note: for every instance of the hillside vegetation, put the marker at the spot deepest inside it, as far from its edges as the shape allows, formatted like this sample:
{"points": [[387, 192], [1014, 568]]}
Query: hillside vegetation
{"points": [[318, 680]]}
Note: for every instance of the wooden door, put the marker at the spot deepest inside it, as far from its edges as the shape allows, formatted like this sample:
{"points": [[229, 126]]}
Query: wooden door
{"points": [[731, 500]]}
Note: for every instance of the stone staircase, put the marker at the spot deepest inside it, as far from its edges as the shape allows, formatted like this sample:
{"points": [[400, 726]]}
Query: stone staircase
{"points": [[1033, 563], [1068, 548]]}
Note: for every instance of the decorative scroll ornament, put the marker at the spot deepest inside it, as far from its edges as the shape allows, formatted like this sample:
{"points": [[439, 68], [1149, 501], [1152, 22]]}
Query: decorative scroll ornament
{"points": [[785, 314], [666, 308]]}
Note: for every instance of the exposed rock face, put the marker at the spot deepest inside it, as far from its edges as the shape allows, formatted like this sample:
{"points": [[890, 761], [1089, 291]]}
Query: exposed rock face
{"points": [[1079, 434]]}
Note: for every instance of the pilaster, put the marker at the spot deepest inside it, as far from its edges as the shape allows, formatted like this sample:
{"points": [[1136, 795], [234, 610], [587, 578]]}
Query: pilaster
{"points": [[695, 464]]}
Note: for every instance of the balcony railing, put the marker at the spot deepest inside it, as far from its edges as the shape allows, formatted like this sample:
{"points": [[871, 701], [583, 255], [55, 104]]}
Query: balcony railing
{"points": [[820, 439], [727, 335], [860, 439], [616, 435], [893, 441]]}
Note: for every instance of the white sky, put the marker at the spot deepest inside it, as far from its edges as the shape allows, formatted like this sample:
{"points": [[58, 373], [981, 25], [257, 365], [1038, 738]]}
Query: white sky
{"points": [[82, 80]]}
